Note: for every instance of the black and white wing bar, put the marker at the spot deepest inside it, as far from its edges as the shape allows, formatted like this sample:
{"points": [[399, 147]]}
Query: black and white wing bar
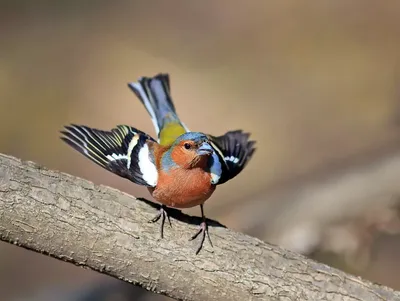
{"points": [[234, 150], [123, 150]]}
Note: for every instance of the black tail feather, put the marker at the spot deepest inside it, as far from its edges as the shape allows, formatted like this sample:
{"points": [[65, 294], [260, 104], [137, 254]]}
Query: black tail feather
{"points": [[154, 93]]}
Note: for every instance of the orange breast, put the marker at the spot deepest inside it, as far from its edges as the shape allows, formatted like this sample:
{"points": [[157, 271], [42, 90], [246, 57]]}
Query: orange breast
{"points": [[183, 188]]}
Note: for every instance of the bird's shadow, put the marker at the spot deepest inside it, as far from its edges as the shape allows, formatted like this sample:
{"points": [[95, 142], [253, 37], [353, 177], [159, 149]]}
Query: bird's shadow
{"points": [[183, 217]]}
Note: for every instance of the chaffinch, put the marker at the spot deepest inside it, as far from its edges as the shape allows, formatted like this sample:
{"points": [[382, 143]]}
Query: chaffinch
{"points": [[181, 169]]}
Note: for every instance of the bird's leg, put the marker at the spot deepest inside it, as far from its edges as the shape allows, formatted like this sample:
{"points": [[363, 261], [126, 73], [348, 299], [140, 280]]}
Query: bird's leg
{"points": [[162, 213], [203, 230]]}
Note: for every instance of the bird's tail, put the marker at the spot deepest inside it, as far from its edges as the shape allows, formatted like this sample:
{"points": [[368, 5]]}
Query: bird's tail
{"points": [[154, 93]]}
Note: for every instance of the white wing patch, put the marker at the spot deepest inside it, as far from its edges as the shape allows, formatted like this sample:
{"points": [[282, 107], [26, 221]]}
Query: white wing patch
{"points": [[127, 156], [232, 159], [147, 168], [114, 157], [131, 146], [216, 169]]}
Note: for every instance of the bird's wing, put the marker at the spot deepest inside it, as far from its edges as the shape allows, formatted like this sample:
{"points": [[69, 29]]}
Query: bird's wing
{"points": [[234, 150], [124, 151]]}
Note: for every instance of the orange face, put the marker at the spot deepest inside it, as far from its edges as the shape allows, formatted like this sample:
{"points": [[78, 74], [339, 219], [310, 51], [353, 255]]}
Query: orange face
{"points": [[186, 154]]}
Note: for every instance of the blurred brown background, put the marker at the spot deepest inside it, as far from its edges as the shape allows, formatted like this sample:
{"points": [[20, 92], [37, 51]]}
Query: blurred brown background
{"points": [[317, 83]]}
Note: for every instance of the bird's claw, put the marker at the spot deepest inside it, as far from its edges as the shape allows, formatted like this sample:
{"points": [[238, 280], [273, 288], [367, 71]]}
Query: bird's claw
{"points": [[157, 217], [203, 230], [162, 213]]}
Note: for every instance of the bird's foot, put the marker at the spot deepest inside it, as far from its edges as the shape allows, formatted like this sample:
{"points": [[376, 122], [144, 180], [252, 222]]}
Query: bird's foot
{"points": [[203, 230], [162, 213]]}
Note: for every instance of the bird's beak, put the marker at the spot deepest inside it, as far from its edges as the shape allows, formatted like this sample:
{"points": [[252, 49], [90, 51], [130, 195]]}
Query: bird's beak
{"points": [[205, 149]]}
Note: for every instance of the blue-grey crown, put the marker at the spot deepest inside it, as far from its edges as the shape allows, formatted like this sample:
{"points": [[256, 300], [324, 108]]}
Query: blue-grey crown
{"points": [[194, 136]]}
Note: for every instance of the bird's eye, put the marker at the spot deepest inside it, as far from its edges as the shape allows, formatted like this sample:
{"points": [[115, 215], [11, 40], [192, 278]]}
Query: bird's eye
{"points": [[187, 145]]}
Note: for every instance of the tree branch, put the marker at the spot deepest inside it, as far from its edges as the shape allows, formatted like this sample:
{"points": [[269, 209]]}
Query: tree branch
{"points": [[106, 230]]}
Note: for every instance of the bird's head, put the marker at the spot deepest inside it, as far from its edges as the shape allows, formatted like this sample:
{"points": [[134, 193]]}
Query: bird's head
{"points": [[191, 149]]}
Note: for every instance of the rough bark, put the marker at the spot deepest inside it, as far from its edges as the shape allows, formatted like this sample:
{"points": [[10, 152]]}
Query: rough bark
{"points": [[106, 230]]}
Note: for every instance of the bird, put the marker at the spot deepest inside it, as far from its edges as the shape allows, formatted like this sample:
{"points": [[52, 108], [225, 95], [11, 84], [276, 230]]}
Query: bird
{"points": [[181, 168]]}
